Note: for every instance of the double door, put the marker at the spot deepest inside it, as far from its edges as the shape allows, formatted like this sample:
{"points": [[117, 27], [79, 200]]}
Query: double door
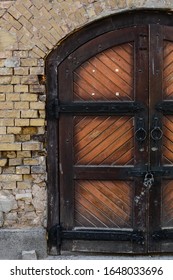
{"points": [[115, 119]]}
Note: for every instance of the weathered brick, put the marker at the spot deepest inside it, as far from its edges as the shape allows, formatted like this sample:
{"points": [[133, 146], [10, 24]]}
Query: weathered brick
{"points": [[13, 22], [15, 161], [37, 105], [15, 80], [3, 130], [32, 146], [21, 54], [5, 54], [3, 162], [22, 169], [37, 122], [28, 62], [37, 88], [6, 138], [12, 62], [24, 154], [9, 170], [6, 122], [5, 80], [22, 138], [8, 185], [23, 185], [37, 71], [21, 105], [24, 196], [11, 154], [21, 71], [6, 105], [10, 177], [21, 88], [29, 97], [6, 88], [30, 161], [10, 146], [22, 122], [6, 71], [29, 130], [9, 114], [30, 80], [2, 97], [29, 114], [14, 130], [13, 97]]}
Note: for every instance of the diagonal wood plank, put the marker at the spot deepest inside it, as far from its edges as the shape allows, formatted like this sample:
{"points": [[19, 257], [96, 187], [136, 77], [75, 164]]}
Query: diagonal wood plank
{"points": [[103, 204], [106, 76]]}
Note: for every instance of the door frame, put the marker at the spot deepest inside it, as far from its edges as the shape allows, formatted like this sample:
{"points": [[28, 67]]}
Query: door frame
{"points": [[54, 59]]}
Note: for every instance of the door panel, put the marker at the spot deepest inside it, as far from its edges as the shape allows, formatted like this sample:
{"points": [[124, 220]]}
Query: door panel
{"points": [[103, 204], [168, 70], [104, 140], [106, 76]]}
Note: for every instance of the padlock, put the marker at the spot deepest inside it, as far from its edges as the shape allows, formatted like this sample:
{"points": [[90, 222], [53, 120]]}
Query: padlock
{"points": [[148, 180]]}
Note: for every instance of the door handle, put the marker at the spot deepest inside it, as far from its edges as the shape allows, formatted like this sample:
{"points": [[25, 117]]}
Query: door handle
{"points": [[156, 132], [140, 133]]}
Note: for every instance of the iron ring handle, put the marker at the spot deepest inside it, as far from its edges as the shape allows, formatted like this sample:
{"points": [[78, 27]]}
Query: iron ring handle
{"points": [[156, 133], [141, 134]]}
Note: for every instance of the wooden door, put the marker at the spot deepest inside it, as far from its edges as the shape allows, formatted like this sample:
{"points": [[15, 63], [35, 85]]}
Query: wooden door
{"points": [[115, 121]]}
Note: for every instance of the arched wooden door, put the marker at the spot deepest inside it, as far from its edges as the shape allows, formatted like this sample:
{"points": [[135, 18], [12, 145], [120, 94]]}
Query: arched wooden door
{"points": [[114, 111]]}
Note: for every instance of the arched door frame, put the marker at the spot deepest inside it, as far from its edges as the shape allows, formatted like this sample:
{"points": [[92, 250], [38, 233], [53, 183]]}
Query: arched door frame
{"points": [[54, 59]]}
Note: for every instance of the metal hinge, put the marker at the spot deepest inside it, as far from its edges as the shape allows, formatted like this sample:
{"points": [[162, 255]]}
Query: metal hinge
{"points": [[55, 108], [57, 234], [160, 235], [166, 107]]}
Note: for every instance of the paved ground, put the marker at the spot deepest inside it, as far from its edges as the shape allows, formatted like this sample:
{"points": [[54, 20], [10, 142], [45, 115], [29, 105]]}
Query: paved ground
{"points": [[109, 257]]}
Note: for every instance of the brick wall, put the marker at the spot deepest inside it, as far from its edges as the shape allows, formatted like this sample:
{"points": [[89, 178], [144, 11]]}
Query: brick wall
{"points": [[29, 30]]}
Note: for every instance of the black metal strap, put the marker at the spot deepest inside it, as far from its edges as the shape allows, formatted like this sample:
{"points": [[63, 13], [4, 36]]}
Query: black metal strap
{"points": [[54, 108], [58, 234], [161, 235], [166, 107]]}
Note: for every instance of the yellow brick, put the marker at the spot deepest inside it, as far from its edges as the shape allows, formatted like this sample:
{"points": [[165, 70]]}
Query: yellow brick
{"points": [[31, 79], [37, 88], [6, 138], [6, 122], [23, 138], [15, 161], [8, 185], [31, 161], [21, 71], [13, 97], [11, 154], [24, 154], [21, 88], [5, 80], [29, 62], [10, 177], [37, 122], [15, 80], [3, 130], [37, 71], [38, 52], [23, 170], [24, 185], [6, 88], [6, 71], [13, 22], [6, 105], [14, 130], [37, 105], [9, 114], [21, 105], [29, 130], [22, 122], [10, 147], [2, 97], [3, 162], [29, 114], [31, 146], [29, 97]]}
